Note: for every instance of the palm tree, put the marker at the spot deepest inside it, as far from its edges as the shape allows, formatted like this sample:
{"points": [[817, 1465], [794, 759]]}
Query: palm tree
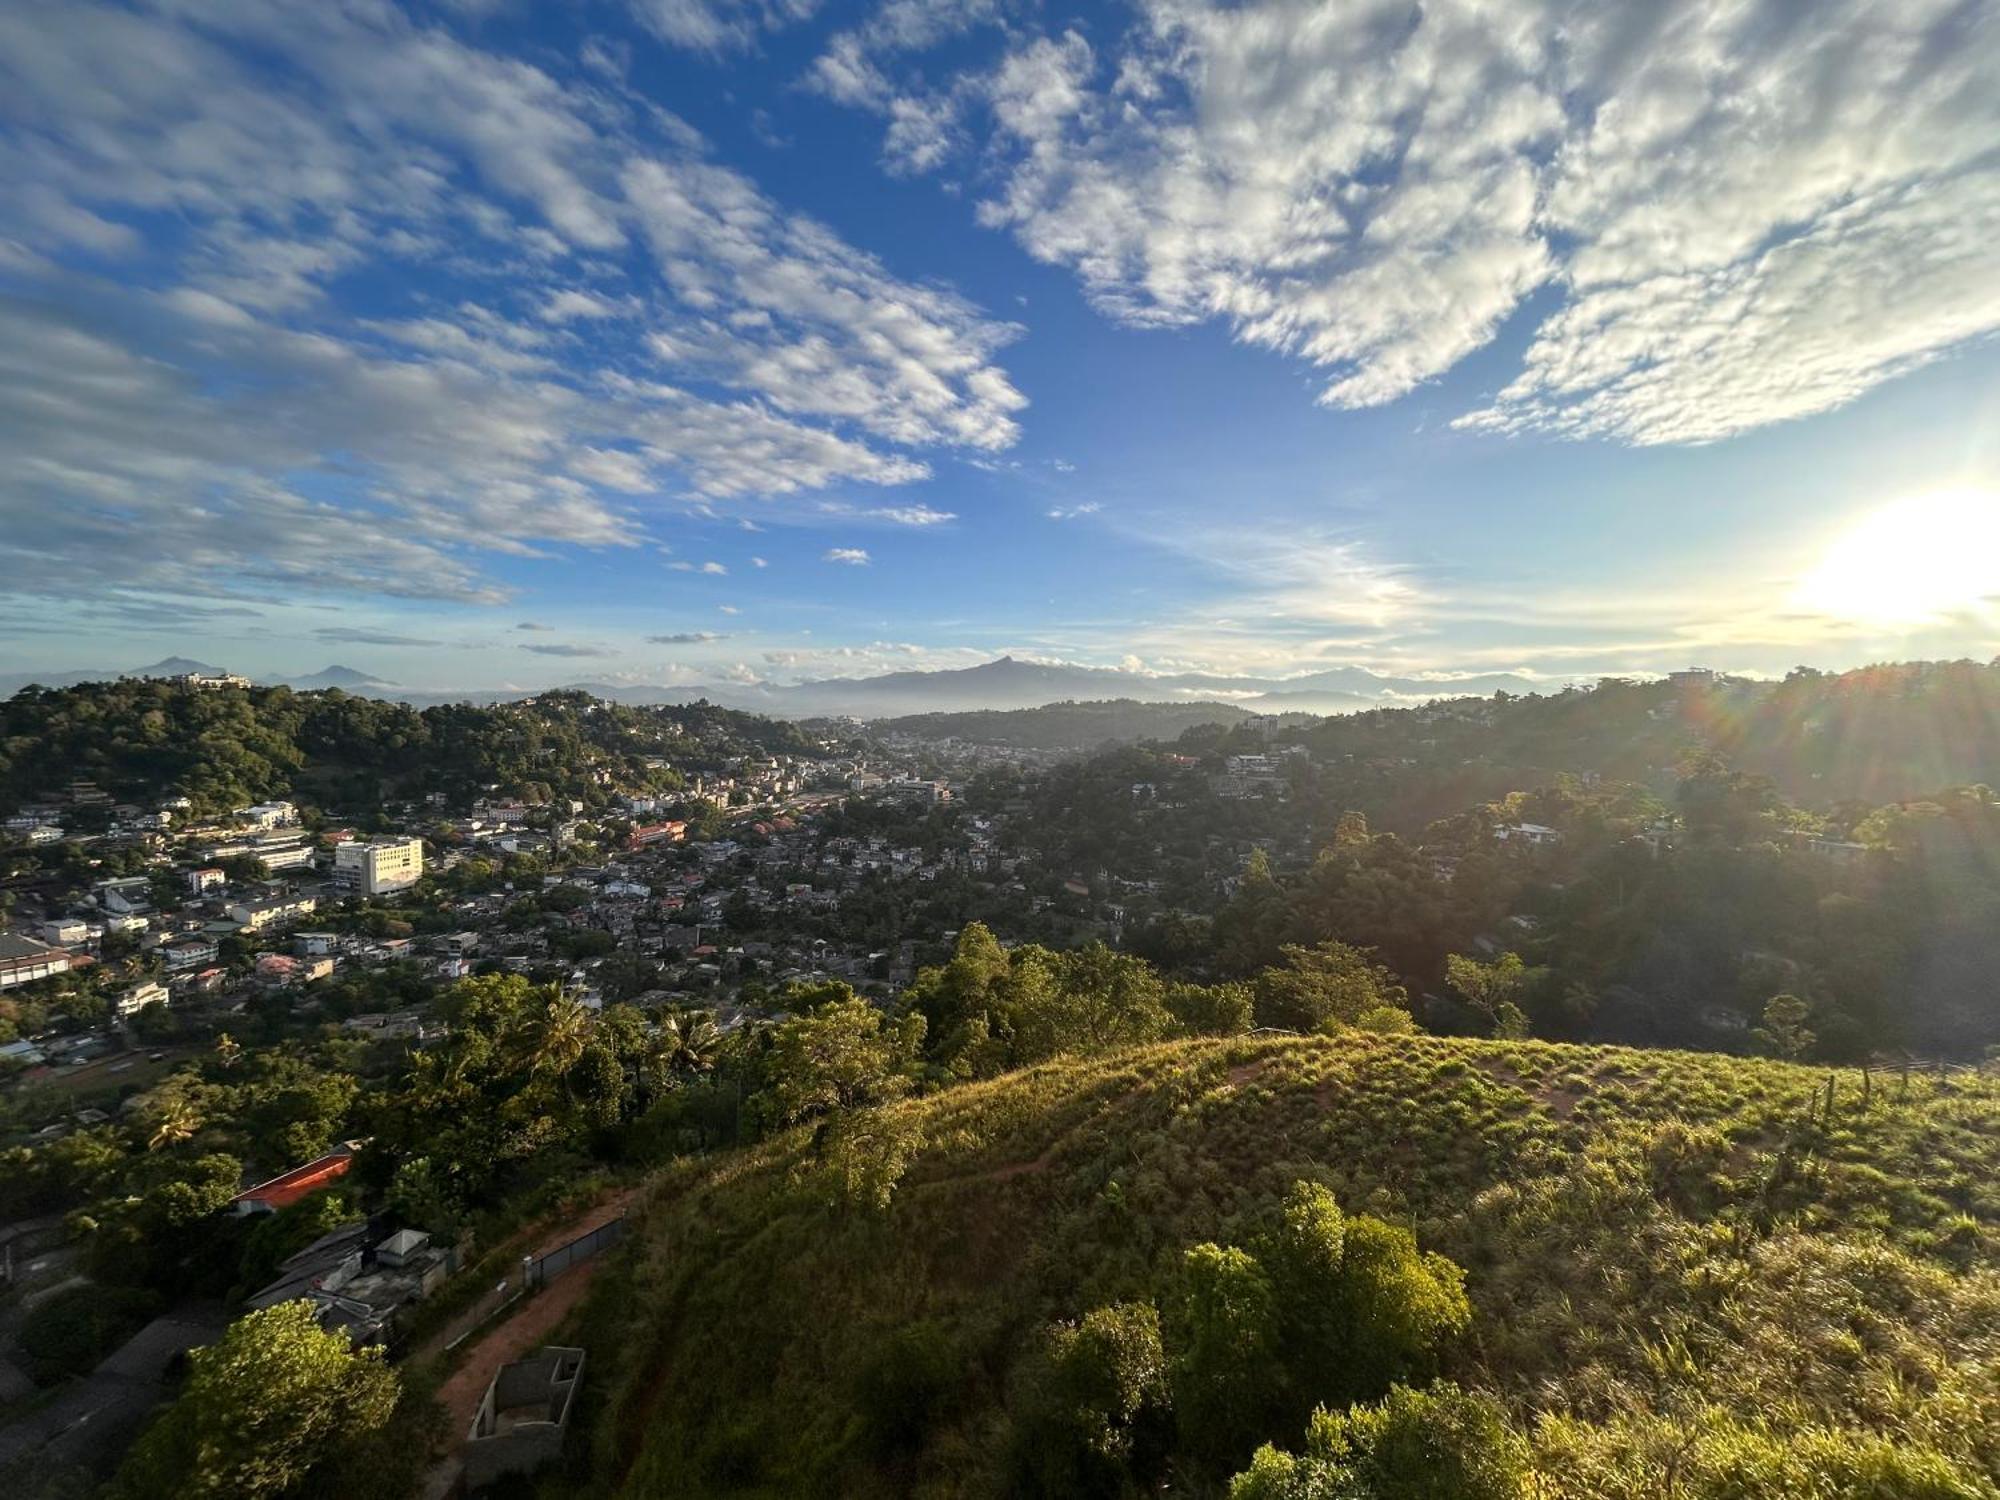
{"points": [[689, 1042], [175, 1122], [559, 1034]]}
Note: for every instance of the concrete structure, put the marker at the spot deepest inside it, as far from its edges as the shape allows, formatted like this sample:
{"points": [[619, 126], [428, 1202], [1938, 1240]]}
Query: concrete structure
{"points": [[188, 953], [23, 960], [273, 911], [269, 814], [131, 1002], [522, 1421], [375, 868]]}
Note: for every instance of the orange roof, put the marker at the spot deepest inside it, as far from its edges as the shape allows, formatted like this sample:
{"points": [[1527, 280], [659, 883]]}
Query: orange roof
{"points": [[287, 1188]]}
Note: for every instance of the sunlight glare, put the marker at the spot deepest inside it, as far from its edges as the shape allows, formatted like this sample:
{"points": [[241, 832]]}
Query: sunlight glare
{"points": [[1912, 562]]}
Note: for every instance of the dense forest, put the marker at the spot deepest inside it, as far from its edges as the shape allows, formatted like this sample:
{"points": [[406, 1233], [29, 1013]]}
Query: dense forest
{"points": [[141, 739]]}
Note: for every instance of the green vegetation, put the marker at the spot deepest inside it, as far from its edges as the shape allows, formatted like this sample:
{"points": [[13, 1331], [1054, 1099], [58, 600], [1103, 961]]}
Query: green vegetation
{"points": [[222, 749], [273, 1399], [1412, 1266]]}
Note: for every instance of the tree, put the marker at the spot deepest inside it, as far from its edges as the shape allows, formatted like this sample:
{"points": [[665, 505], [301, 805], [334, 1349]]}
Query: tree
{"points": [[1089, 1395], [833, 1057], [1325, 986], [1784, 1032], [274, 1397], [1436, 1444], [1494, 989], [1225, 1368]]}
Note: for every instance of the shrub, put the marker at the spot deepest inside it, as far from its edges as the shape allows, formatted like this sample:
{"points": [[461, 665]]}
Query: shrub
{"points": [[1094, 1397], [1436, 1444], [1226, 1370]]}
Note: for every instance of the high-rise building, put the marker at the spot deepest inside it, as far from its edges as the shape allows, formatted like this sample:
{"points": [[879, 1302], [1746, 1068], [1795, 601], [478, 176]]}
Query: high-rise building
{"points": [[371, 869]]}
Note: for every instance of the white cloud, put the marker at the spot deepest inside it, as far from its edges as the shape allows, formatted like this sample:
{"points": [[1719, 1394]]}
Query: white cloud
{"points": [[722, 347], [853, 556], [718, 26], [1071, 512], [758, 562], [1754, 210]]}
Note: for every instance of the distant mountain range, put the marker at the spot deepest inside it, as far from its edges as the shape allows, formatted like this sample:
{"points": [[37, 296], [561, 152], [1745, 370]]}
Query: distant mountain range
{"points": [[1005, 683]]}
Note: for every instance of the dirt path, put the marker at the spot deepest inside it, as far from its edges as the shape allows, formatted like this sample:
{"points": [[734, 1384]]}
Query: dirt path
{"points": [[521, 1334]]}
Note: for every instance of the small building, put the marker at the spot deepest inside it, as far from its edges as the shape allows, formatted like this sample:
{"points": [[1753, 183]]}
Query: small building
{"points": [[1527, 835], [208, 878], [272, 911], [126, 895], [525, 1416], [142, 995], [269, 814], [188, 953], [288, 1188]]}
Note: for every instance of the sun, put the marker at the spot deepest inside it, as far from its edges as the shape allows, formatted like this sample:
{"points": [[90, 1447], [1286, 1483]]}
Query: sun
{"points": [[1912, 562]]}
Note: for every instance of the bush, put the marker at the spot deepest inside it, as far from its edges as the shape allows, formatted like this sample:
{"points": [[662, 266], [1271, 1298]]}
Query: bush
{"points": [[1437, 1444], [1226, 1367], [1095, 1397]]}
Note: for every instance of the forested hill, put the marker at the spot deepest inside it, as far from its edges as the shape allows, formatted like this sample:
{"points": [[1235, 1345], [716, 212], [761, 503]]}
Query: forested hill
{"points": [[143, 739], [1068, 725], [1878, 734]]}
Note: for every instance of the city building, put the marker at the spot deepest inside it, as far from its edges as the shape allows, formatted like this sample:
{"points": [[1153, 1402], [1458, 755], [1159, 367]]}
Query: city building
{"points": [[273, 911], [23, 960], [372, 869]]}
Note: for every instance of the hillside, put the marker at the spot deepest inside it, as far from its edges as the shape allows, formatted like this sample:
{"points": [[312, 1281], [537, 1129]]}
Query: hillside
{"points": [[1685, 1277], [1067, 725]]}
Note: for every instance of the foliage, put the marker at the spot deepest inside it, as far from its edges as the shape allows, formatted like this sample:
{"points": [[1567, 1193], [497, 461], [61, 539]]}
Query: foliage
{"points": [[274, 1397], [1436, 1444], [1654, 1246], [1088, 1393]]}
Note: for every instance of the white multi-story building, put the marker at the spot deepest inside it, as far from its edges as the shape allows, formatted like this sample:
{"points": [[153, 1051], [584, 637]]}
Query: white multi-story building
{"points": [[374, 868]]}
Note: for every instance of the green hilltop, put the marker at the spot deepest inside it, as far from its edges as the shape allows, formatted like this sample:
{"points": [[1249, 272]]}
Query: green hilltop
{"points": [[1683, 1274]]}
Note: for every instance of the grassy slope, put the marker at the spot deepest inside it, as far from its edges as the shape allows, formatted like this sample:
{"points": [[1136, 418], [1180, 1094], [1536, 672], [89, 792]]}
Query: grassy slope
{"points": [[1632, 1236]]}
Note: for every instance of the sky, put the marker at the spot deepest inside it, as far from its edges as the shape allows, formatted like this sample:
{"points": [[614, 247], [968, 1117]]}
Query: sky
{"points": [[504, 344]]}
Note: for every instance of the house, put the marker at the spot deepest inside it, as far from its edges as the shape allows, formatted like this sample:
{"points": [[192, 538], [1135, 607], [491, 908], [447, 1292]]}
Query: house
{"points": [[188, 953], [288, 1188], [272, 911], [124, 896], [23, 960], [268, 814], [525, 1415], [132, 1001], [647, 834], [66, 932], [356, 1285], [315, 944], [44, 833], [1527, 835], [202, 881]]}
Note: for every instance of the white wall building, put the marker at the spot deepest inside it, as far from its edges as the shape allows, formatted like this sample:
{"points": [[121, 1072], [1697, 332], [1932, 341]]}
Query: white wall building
{"points": [[374, 868]]}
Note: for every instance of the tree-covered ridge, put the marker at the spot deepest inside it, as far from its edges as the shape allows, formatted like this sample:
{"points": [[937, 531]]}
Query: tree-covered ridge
{"points": [[145, 739], [1066, 725], [1877, 734], [1704, 1276]]}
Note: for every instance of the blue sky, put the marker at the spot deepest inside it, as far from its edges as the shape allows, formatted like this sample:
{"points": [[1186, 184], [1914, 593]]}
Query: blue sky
{"points": [[490, 343]]}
